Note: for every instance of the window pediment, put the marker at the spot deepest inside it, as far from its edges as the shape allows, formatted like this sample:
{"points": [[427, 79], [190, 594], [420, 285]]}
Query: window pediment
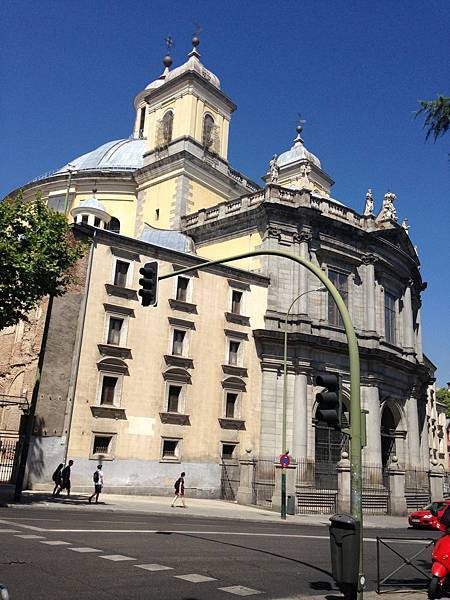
{"points": [[113, 365]]}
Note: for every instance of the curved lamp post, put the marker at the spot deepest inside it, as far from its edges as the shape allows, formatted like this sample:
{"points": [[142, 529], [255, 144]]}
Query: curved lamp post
{"points": [[283, 430]]}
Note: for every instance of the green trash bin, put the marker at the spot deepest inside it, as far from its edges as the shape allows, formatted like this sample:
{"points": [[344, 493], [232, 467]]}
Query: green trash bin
{"points": [[344, 546], [291, 505]]}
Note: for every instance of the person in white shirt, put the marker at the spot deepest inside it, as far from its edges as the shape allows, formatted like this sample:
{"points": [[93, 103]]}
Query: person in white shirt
{"points": [[98, 484]]}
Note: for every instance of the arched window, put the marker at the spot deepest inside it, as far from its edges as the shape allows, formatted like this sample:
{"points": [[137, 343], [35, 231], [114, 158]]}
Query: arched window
{"points": [[167, 126], [208, 131], [114, 225]]}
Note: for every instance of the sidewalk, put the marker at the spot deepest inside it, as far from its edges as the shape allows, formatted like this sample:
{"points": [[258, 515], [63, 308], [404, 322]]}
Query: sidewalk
{"points": [[198, 507]]}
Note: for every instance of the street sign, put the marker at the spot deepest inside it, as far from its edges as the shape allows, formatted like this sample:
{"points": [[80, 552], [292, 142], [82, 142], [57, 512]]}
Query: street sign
{"points": [[285, 460]]}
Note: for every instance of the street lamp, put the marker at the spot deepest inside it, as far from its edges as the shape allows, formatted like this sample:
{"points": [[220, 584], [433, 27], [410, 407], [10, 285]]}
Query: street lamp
{"points": [[283, 431]]}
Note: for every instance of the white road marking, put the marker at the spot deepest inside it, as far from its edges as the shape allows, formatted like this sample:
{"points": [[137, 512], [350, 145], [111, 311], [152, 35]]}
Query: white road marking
{"points": [[240, 590], [116, 557], [30, 536], [154, 567], [9, 530], [84, 550], [56, 543], [195, 578]]}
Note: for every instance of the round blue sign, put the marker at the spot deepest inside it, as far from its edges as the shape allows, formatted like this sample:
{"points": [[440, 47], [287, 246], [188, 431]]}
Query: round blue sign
{"points": [[285, 460]]}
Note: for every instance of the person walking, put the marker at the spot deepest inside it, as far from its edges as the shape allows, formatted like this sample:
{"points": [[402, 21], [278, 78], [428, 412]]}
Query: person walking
{"points": [[98, 484], [65, 479], [56, 477], [179, 491]]}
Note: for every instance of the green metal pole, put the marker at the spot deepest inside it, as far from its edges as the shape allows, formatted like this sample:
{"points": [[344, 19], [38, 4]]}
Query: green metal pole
{"points": [[354, 368]]}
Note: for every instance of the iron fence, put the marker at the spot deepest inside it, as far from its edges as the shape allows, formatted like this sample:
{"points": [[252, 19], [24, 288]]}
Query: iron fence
{"points": [[230, 477], [316, 486], [264, 481], [375, 489], [417, 488], [8, 450], [415, 567]]}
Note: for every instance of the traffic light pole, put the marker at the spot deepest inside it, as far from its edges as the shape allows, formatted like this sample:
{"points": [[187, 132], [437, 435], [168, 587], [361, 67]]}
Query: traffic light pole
{"points": [[354, 368]]}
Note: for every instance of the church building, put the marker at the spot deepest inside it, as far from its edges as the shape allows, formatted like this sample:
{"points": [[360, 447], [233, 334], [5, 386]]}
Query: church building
{"points": [[196, 383]]}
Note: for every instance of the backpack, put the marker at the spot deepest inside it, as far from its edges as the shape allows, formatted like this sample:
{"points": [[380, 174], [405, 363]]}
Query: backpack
{"points": [[56, 476], [177, 484], [96, 477]]}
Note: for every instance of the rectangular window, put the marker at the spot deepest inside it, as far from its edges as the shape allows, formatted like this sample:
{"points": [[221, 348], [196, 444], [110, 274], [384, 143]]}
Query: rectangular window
{"points": [[102, 444], [157, 214], [114, 329], [178, 340], [121, 272], [228, 450], [84, 219], [233, 355], [96, 222], [182, 288], [170, 449], [389, 317], [142, 123], [108, 390], [174, 397], [231, 405], [236, 302], [340, 281]]}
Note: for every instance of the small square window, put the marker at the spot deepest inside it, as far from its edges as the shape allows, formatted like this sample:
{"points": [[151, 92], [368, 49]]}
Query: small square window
{"points": [[178, 341], [236, 302], [157, 214], [108, 390], [96, 222], [102, 444], [182, 288], [233, 355], [174, 397], [121, 272], [114, 330], [231, 405], [228, 450], [171, 449]]}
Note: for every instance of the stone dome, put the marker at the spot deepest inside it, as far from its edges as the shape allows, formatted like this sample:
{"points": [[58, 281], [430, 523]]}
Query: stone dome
{"points": [[174, 240], [118, 155], [296, 153], [193, 64], [92, 203]]}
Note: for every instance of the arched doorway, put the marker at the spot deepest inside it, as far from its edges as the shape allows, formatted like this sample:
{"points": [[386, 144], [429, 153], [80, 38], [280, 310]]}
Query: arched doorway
{"points": [[388, 427]]}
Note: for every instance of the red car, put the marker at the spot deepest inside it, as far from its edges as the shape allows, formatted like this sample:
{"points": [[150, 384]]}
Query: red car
{"points": [[424, 518]]}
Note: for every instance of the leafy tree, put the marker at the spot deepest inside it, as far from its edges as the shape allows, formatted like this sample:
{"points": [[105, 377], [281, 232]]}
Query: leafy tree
{"points": [[443, 395], [37, 251], [437, 115]]}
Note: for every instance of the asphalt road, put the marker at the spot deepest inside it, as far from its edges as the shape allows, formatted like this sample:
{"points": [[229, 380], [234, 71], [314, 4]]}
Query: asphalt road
{"points": [[121, 556]]}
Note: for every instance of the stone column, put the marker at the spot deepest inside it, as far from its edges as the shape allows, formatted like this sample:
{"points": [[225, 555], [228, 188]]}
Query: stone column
{"points": [[304, 237], [300, 426], [268, 442], [412, 418], [369, 261], [371, 402], [397, 500], [408, 327], [436, 483], [343, 498], [245, 490], [290, 485], [419, 351]]}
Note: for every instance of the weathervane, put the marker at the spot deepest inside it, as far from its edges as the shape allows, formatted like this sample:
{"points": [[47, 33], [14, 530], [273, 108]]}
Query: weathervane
{"points": [[169, 43], [198, 29]]}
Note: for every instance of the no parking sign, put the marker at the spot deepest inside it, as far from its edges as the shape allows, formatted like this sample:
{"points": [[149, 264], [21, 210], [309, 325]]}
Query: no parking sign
{"points": [[285, 460]]}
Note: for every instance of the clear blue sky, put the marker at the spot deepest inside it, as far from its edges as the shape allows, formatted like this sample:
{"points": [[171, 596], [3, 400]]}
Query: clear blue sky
{"points": [[354, 69]]}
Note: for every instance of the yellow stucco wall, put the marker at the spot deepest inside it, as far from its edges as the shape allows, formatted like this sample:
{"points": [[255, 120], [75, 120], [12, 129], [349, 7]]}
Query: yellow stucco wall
{"points": [[149, 339], [237, 245], [203, 197], [159, 196]]}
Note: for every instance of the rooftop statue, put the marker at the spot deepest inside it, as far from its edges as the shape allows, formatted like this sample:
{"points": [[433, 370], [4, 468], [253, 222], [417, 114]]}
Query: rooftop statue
{"points": [[368, 209], [274, 170], [388, 211]]}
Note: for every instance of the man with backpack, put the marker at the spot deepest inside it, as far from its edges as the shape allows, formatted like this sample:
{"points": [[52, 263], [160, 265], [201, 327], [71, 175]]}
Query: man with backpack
{"points": [[179, 490], [97, 477], [65, 479]]}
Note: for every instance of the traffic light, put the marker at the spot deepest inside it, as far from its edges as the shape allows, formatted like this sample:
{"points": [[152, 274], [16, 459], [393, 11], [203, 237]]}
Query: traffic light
{"points": [[149, 284], [329, 404]]}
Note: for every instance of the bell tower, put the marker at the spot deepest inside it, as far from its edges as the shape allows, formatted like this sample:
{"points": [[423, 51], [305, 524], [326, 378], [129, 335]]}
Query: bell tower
{"points": [[184, 117]]}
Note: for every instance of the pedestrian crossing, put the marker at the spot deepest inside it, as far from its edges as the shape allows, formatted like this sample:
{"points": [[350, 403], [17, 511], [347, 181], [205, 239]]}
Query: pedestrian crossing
{"points": [[195, 578]]}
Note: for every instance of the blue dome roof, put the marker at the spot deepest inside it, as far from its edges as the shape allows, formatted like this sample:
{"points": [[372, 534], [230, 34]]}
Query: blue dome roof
{"points": [[174, 240], [119, 155]]}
